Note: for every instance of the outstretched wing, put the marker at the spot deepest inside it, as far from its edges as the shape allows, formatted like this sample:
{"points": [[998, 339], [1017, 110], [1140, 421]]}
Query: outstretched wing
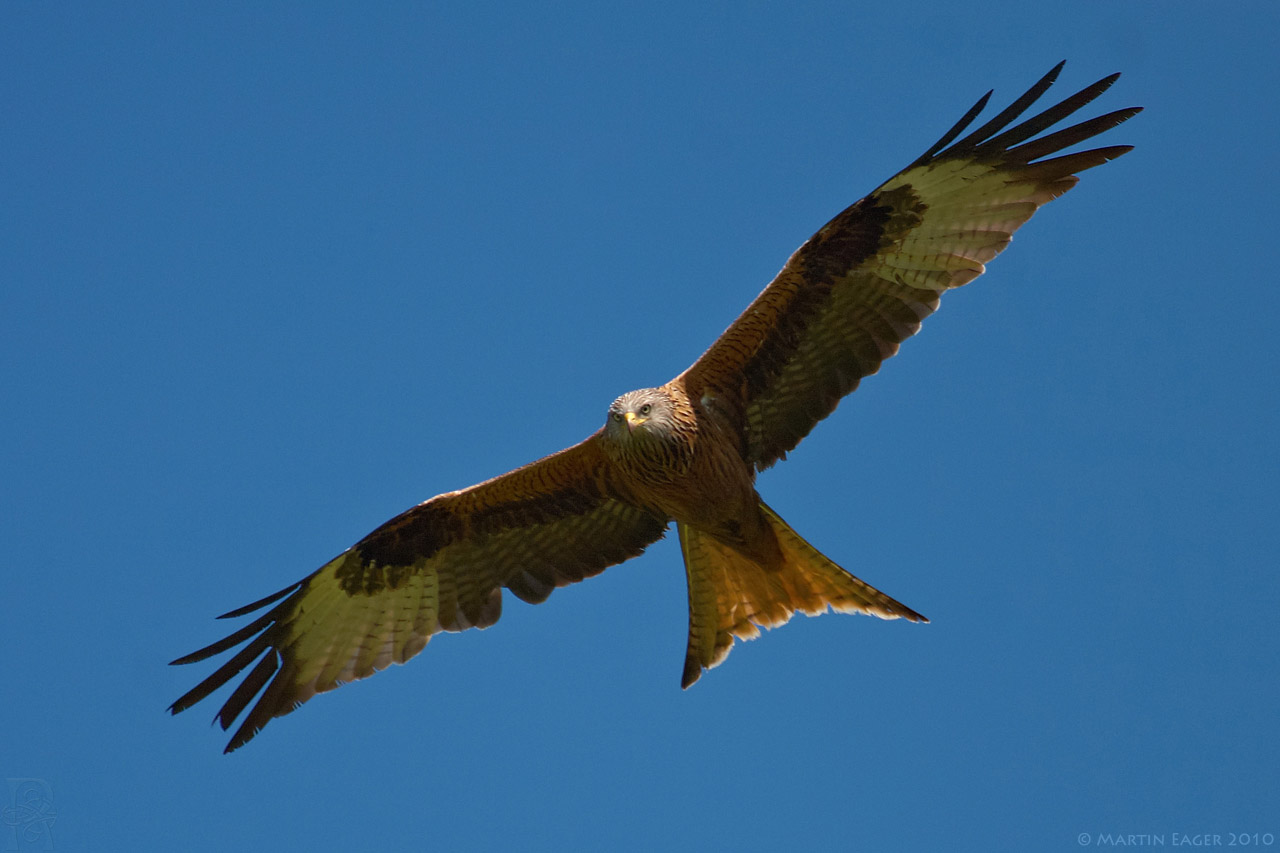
{"points": [[860, 286], [440, 566]]}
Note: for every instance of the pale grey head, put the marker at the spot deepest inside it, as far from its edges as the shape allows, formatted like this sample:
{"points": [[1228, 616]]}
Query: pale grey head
{"points": [[641, 415]]}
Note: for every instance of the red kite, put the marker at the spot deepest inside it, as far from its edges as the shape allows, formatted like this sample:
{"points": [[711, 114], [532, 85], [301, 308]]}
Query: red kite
{"points": [[687, 452]]}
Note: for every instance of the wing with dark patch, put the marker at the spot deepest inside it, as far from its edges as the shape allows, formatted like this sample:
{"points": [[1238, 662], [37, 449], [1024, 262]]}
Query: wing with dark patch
{"points": [[440, 566], [859, 287]]}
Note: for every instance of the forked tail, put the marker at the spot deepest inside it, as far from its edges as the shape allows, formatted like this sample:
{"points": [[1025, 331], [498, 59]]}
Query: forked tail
{"points": [[730, 595]]}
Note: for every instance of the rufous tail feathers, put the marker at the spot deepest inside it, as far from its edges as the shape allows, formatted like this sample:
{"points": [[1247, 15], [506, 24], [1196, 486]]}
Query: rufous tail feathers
{"points": [[731, 595]]}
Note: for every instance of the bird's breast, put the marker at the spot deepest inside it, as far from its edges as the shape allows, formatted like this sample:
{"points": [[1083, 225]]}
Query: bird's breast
{"points": [[701, 480]]}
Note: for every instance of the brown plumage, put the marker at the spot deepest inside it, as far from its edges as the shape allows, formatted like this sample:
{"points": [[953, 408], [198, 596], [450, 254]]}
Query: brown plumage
{"points": [[686, 452]]}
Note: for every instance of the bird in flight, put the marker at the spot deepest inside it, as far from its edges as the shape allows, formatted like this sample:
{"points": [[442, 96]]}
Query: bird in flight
{"points": [[687, 451]]}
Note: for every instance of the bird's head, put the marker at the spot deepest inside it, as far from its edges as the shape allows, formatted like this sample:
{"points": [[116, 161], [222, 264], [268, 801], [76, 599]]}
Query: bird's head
{"points": [[637, 415]]}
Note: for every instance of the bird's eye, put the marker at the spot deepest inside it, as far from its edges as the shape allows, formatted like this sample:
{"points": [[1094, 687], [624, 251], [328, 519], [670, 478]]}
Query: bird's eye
{"points": [[645, 409], [616, 416]]}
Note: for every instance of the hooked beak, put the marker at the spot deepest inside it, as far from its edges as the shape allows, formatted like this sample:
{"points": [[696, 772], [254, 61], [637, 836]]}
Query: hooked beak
{"points": [[633, 421]]}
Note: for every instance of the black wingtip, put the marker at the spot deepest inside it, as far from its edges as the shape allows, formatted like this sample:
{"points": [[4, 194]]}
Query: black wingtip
{"points": [[996, 135], [260, 603], [191, 658], [1011, 112], [1106, 82], [956, 129]]}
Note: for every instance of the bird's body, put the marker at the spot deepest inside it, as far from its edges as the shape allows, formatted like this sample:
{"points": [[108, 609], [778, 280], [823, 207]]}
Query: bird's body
{"points": [[683, 458], [686, 452]]}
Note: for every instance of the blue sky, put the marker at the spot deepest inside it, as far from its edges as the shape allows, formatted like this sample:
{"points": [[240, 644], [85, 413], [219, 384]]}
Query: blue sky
{"points": [[273, 273]]}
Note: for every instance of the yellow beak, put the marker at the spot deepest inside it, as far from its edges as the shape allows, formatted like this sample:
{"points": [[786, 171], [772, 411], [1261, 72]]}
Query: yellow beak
{"points": [[633, 421]]}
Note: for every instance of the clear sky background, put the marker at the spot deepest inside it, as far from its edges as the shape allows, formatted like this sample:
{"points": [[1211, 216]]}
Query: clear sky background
{"points": [[270, 274]]}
